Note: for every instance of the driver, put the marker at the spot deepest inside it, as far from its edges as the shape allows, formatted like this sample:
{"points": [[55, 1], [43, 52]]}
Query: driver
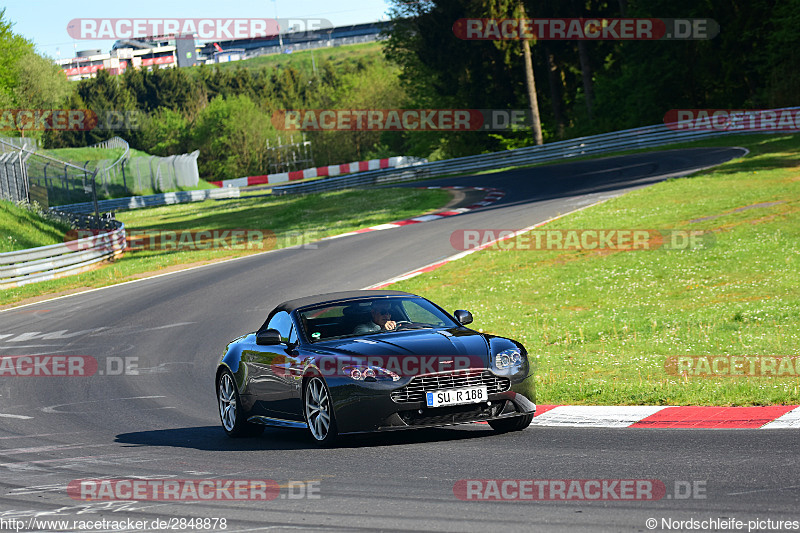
{"points": [[381, 313]]}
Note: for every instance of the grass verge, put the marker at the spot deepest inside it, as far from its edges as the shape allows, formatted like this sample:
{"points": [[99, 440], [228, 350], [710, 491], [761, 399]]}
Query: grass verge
{"points": [[601, 324], [304, 60], [21, 229], [291, 219]]}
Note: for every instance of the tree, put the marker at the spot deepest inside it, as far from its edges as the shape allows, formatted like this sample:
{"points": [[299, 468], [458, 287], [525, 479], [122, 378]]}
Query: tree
{"points": [[530, 83], [440, 70], [41, 84], [231, 134], [14, 47], [28, 80]]}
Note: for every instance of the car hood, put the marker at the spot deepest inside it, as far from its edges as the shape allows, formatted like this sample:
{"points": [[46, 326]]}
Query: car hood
{"points": [[441, 342]]}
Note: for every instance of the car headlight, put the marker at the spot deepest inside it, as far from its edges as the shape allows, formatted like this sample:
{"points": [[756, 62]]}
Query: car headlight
{"points": [[371, 373], [510, 358]]}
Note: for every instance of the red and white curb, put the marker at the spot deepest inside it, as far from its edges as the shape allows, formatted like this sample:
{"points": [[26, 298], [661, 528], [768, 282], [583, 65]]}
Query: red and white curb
{"points": [[331, 170], [492, 195], [668, 417], [637, 416], [456, 257]]}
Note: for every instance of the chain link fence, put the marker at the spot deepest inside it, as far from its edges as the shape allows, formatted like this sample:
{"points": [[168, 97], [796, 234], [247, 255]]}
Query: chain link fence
{"points": [[16, 143], [54, 182], [27, 175], [13, 176], [130, 174]]}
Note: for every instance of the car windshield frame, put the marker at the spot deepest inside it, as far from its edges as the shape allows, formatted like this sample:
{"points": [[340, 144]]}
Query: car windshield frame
{"points": [[425, 304]]}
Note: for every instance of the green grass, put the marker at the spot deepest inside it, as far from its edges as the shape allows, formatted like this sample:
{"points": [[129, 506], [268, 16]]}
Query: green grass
{"points": [[600, 325], [302, 60], [723, 142], [116, 190], [81, 155], [313, 216], [21, 229]]}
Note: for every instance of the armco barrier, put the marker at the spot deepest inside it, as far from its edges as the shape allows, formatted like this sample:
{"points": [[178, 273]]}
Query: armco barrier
{"points": [[646, 137], [167, 198], [58, 260], [400, 161]]}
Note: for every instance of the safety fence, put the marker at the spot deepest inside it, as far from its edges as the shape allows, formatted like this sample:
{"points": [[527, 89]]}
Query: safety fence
{"points": [[13, 176], [632, 139], [152, 200], [29, 175], [137, 174], [63, 259]]}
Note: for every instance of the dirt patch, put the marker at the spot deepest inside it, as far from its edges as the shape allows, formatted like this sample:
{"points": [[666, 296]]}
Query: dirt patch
{"points": [[739, 209]]}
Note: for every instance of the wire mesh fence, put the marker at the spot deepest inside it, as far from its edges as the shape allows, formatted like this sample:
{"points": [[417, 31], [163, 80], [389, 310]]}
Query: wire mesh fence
{"points": [[54, 182], [33, 176], [10, 144], [148, 174], [13, 177]]}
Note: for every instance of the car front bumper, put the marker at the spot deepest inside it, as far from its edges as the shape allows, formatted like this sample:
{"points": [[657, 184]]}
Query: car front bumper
{"points": [[367, 407]]}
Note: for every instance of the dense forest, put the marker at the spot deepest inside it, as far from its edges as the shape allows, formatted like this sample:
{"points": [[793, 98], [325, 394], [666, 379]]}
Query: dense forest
{"points": [[583, 87]]}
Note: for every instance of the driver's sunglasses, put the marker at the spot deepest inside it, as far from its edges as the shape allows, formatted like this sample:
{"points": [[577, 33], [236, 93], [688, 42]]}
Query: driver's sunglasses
{"points": [[384, 311]]}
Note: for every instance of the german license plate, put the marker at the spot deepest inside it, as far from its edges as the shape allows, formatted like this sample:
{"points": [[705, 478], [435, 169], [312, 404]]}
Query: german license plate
{"points": [[461, 396]]}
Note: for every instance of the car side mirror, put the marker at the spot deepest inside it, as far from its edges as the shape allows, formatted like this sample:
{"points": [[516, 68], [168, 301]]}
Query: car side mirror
{"points": [[463, 317], [268, 337]]}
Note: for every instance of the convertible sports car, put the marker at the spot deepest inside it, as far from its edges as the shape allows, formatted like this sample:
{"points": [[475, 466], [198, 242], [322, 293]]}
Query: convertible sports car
{"points": [[363, 361]]}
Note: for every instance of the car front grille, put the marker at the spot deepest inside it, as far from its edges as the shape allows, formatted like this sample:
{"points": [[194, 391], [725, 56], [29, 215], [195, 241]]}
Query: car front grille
{"points": [[451, 415], [416, 389]]}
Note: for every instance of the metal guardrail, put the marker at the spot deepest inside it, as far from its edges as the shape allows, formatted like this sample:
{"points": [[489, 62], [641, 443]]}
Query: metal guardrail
{"points": [[136, 202], [58, 260], [645, 137]]}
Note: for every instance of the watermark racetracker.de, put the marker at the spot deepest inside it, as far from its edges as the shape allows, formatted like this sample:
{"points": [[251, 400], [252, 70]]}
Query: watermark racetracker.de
{"points": [[721, 366], [377, 367], [585, 29], [619, 239], [213, 29], [577, 490], [71, 366], [443, 120], [758, 120], [69, 119], [190, 490], [193, 240]]}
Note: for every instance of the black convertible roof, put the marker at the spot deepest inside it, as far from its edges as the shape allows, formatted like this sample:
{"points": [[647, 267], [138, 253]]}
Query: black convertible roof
{"points": [[291, 305]]}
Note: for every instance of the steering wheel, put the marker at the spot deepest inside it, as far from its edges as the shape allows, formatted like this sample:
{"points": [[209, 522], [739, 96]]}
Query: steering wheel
{"points": [[406, 324]]}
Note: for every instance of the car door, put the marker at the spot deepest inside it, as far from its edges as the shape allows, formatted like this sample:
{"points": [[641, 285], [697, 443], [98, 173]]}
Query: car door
{"points": [[275, 375]]}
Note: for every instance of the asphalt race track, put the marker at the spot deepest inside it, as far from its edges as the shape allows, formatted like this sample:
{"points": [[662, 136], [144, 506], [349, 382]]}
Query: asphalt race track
{"points": [[163, 422]]}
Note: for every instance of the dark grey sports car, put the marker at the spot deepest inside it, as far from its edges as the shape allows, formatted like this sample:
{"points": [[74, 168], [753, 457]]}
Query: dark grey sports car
{"points": [[363, 361]]}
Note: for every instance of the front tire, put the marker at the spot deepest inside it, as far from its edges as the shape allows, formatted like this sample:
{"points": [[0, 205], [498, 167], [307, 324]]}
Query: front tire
{"points": [[318, 410], [230, 409], [517, 423]]}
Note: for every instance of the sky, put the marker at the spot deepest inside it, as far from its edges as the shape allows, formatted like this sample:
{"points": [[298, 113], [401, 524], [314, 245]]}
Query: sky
{"points": [[45, 21]]}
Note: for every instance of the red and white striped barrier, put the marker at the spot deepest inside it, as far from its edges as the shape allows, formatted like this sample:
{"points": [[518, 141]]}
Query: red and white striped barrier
{"points": [[332, 170], [666, 417], [492, 195]]}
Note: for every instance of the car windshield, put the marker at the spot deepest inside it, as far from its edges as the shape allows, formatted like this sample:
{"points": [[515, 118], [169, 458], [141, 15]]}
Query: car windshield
{"points": [[367, 316]]}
